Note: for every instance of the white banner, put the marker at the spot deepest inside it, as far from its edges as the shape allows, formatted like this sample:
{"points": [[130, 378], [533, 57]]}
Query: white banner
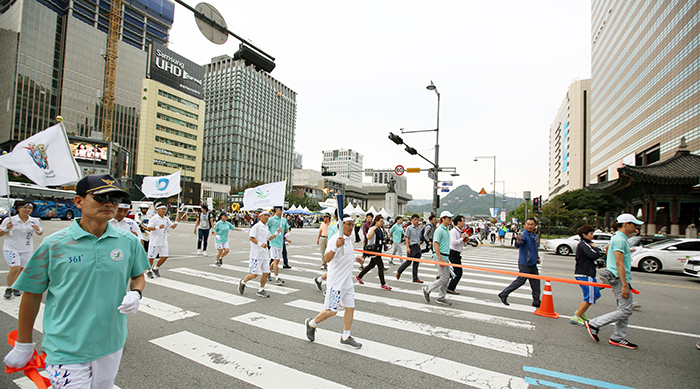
{"points": [[162, 186], [264, 196], [4, 182], [44, 158]]}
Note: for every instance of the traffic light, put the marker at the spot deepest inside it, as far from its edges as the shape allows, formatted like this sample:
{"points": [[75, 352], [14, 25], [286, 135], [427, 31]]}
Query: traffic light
{"points": [[395, 138], [536, 204], [411, 150], [325, 173]]}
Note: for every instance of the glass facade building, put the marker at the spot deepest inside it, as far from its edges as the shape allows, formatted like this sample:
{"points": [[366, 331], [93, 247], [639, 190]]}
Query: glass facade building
{"points": [[569, 139], [645, 88], [249, 125], [51, 63]]}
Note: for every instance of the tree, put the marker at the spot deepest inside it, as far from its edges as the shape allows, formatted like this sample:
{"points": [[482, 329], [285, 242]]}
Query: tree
{"points": [[519, 212], [585, 199], [251, 184]]}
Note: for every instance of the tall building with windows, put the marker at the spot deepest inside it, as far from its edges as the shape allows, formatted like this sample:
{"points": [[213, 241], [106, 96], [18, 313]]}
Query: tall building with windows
{"points": [[172, 117], [249, 125], [569, 140], [346, 163], [645, 88], [51, 63]]}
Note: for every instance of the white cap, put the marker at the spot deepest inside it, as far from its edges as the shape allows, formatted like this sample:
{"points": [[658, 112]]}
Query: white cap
{"points": [[348, 219], [446, 214], [161, 206], [264, 213], [125, 206], [628, 218]]}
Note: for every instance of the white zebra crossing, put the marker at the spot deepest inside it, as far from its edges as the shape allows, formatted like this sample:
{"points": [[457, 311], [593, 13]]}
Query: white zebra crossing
{"points": [[427, 329], [424, 363], [243, 366], [270, 286]]}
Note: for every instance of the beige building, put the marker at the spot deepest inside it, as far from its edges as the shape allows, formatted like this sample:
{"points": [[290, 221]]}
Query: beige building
{"points": [[568, 141], [170, 133], [645, 83]]}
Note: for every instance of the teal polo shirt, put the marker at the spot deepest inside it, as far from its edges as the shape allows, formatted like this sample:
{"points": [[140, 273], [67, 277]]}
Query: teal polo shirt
{"points": [[619, 242], [333, 228], [396, 232], [221, 229], [85, 279], [273, 224], [442, 236]]}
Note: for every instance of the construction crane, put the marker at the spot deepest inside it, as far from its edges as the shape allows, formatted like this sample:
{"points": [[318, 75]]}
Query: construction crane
{"points": [[111, 68]]}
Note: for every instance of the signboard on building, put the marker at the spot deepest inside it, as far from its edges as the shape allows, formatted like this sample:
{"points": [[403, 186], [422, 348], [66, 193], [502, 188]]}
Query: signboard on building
{"points": [[175, 71], [89, 151]]}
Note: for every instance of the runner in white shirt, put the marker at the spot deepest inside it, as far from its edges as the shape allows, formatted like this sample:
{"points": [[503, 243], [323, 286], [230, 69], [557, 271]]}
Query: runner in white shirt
{"points": [[19, 231], [259, 256], [158, 225], [141, 217], [340, 255], [122, 222]]}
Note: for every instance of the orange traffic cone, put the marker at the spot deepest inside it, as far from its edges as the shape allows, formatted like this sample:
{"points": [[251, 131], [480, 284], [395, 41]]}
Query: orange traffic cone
{"points": [[547, 306]]}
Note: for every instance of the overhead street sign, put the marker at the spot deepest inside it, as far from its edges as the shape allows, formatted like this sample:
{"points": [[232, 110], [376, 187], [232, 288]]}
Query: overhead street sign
{"points": [[445, 190], [399, 170], [447, 183], [413, 170], [431, 175]]}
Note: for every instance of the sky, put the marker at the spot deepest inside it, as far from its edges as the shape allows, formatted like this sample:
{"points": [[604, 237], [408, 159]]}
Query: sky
{"points": [[360, 71]]}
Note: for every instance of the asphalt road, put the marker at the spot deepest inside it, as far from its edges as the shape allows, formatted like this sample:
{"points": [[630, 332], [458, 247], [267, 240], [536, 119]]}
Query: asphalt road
{"points": [[195, 330]]}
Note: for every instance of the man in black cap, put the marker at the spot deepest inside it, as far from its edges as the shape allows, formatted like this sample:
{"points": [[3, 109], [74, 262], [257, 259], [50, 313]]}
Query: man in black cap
{"points": [[86, 269]]}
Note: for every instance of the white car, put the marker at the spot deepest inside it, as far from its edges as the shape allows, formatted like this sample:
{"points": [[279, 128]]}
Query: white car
{"points": [[670, 254], [692, 267], [566, 246]]}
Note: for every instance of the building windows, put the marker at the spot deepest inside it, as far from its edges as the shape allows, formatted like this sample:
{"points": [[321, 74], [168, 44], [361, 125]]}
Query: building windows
{"points": [[178, 110], [176, 121], [176, 132], [178, 99], [648, 156]]}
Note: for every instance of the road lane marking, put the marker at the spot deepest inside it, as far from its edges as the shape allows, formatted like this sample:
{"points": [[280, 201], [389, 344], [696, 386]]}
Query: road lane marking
{"points": [[569, 377], [469, 338], [424, 363], [242, 366], [163, 310], [201, 291], [232, 280]]}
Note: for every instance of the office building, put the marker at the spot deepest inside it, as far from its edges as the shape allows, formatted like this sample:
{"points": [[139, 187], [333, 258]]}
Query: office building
{"points": [[345, 163], [298, 157], [172, 117], [249, 125], [51, 63], [645, 87], [568, 140]]}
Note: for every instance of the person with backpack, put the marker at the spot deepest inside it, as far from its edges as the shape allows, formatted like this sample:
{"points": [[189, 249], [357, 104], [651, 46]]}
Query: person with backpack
{"points": [[428, 232]]}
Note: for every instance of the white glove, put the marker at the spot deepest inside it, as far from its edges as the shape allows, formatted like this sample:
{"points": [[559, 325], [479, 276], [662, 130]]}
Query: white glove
{"points": [[130, 303], [246, 230], [20, 355]]}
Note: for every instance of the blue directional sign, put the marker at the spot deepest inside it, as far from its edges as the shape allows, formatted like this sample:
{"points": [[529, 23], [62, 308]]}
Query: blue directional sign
{"points": [[447, 183], [445, 190]]}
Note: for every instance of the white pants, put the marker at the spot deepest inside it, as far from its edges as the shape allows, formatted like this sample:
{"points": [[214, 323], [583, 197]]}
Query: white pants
{"points": [[98, 374]]}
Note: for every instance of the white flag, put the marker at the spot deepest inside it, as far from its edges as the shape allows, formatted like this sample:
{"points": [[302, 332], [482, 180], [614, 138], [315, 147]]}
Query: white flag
{"points": [[44, 158], [264, 196], [163, 186], [4, 182]]}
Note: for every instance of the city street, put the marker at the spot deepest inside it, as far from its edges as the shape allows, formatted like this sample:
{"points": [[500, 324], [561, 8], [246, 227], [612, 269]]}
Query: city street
{"points": [[194, 330]]}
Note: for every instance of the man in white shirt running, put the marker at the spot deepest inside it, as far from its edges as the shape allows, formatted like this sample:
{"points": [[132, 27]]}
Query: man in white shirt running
{"points": [[121, 220], [339, 256], [259, 256], [158, 245], [19, 233]]}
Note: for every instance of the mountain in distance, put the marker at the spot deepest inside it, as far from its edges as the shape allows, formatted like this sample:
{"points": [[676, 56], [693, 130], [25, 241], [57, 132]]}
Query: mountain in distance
{"points": [[464, 201]]}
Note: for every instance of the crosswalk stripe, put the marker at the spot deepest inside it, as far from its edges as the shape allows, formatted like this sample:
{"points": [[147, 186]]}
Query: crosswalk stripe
{"points": [[163, 310], [243, 366], [470, 338], [231, 280], [424, 363], [201, 291], [452, 312]]}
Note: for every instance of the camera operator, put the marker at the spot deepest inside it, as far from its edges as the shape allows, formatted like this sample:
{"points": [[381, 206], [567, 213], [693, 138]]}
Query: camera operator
{"points": [[587, 259]]}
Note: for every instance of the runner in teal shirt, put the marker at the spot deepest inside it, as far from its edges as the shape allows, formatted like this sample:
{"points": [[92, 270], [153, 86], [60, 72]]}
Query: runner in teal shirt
{"points": [[220, 231], [396, 232], [278, 226]]}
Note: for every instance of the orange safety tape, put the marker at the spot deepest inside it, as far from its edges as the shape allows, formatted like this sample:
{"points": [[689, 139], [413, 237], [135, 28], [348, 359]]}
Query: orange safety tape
{"points": [[512, 273], [30, 369]]}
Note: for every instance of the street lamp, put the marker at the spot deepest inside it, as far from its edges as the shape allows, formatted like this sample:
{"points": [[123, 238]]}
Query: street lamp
{"points": [[504, 192], [437, 149], [494, 176]]}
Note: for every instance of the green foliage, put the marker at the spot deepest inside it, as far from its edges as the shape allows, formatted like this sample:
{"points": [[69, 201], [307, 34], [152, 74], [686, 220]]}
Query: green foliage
{"points": [[585, 199], [519, 212]]}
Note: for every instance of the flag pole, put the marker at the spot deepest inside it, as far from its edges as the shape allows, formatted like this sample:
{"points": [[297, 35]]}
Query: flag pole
{"points": [[65, 136]]}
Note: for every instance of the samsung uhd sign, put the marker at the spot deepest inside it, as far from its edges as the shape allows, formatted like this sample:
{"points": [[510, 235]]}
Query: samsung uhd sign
{"points": [[176, 71]]}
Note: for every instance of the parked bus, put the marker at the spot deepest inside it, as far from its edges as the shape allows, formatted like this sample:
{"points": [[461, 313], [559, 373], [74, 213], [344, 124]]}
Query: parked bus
{"points": [[48, 203]]}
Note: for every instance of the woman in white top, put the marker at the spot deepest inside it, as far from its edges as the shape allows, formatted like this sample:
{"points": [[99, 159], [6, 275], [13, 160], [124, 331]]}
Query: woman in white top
{"points": [[19, 242]]}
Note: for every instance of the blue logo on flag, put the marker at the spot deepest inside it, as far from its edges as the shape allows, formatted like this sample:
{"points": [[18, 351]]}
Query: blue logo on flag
{"points": [[162, 184]]}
